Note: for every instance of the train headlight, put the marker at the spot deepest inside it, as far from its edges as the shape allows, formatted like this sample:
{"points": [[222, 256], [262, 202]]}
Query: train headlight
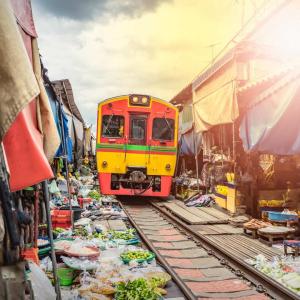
{"points": [[168, 167], [104, 164], [139, 100]]}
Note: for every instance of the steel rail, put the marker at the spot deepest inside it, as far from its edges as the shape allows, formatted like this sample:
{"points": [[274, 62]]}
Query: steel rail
{"points": [[262, 282], [185, 290]]}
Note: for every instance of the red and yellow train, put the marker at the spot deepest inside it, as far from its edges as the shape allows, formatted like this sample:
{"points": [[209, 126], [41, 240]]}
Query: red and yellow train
{"points": [[137, 139]]}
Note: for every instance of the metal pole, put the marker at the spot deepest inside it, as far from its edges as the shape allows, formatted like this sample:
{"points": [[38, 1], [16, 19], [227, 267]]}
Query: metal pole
{"points": [[196, 160], [36, 215], [50, 233], [65, 160]]}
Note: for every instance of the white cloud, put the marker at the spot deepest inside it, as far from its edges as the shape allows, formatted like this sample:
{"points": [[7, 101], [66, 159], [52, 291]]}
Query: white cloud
{"points": [[156, 52]]}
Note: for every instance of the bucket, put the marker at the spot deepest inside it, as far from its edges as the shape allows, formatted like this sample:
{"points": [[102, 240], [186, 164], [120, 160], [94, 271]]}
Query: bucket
{"points": [[76, 211], [65, 276]]}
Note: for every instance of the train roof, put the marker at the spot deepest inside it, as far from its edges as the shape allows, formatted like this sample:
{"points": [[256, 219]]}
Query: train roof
{"points": [[127, 95]]}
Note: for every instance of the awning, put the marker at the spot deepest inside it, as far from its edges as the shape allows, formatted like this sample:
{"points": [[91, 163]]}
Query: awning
{"points": [[215, 102], [271, 122]]}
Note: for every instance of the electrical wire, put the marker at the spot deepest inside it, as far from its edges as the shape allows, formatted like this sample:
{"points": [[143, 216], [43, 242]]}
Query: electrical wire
{"points": [[232, 40]]}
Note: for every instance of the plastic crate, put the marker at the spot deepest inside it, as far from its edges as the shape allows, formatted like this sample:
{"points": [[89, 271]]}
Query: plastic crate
{"points": [[64, 225], [31, 254], [61, 216]]}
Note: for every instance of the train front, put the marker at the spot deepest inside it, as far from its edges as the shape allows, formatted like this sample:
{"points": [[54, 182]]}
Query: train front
{"points": [[136, 145]]}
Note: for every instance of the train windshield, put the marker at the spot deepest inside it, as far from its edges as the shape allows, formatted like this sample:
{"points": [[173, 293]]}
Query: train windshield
{"points": [[112, 126], [163, 129]]}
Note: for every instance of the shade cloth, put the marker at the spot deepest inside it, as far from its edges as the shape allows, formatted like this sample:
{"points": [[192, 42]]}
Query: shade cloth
{"points": [[78, 135], [215, 101], [23, 142], [46, 122], [23, 13], [271, 122], [18, 84], [87, 140], [186, 118]]}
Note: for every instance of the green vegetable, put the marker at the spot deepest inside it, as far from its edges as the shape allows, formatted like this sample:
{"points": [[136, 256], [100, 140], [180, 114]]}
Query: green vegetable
{"points": [[94, 194], [136, 255], [157, 282], [58, 230], [138, 289], [116, 235], [123, 235], [80, 232]]}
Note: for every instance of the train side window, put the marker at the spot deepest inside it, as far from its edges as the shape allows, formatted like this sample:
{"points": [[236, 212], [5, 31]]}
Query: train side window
{"points": [[163, 129], [112, 126]]}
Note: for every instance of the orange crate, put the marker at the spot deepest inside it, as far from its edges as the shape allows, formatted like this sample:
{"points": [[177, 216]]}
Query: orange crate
{"points": [[31, 254], [61, 216], [64, 225]]}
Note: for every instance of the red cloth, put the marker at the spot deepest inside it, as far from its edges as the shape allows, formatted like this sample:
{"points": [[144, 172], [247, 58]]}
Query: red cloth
{"points": [[23, 143], [23, 12]]}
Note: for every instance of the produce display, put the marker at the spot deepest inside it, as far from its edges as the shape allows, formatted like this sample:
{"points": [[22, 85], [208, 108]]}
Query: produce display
{"points": [[82, 251], [137, 255], [128, 235], [94, 194], [80, 264], [123, 235], [159, 279], [61, 245], [42, 242], [285, 270], [81, 231], [103, 262], [58, 230], [139, 289], [256, 224]]}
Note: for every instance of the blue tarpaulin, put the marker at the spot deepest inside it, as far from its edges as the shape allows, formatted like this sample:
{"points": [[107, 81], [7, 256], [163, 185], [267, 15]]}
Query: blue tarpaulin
{"points": [[271, 123], [54, 106], [67, 142], [57, 110], [189, 142]]}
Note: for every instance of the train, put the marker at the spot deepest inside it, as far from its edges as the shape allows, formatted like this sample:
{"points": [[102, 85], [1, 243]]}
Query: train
{"points": [[137, 137]]}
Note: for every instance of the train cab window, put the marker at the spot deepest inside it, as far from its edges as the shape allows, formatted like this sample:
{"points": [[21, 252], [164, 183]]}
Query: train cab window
{"points": [[138, 129], [163, 129], [112, 126]]}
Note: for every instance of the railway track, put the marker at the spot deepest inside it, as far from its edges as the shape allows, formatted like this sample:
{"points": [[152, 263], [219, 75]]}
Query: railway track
{"points": [[197, 265]]}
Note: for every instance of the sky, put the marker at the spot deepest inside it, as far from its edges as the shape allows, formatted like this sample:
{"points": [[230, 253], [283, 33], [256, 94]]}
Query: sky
{"points": [[108, 48]]}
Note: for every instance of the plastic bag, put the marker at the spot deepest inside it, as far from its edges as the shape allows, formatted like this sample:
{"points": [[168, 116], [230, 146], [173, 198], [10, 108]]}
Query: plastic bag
{"points": [[41, 285], [53, 188], [46, 264]]}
